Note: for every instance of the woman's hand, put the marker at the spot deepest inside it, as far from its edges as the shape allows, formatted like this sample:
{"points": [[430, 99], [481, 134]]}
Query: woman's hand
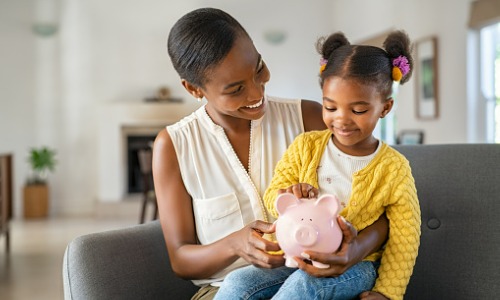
{"points": [[254, 248], [372, 296], [346, 256], [301, 190]]}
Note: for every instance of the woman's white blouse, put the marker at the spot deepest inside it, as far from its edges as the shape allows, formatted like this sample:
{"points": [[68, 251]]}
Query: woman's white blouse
{"points": [[225, 197]]}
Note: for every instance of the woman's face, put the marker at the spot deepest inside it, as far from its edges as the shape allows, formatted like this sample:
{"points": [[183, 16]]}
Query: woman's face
{"points": [[235, 87], [351, 111]]}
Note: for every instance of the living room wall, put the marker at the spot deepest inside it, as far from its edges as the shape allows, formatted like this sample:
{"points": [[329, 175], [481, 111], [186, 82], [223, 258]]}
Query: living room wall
{"points": [[17, 82], [53, 89]]}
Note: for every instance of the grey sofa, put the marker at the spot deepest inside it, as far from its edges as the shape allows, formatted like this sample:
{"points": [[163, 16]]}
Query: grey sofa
{"points": [[459, 256]]}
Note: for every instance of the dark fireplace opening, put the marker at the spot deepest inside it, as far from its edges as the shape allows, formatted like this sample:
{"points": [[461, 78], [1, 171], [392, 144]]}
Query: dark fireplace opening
{"points": [[134, 177]]}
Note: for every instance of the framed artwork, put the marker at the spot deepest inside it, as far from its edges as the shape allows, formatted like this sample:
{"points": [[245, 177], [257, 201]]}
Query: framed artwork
{"points": [[426, 69]]}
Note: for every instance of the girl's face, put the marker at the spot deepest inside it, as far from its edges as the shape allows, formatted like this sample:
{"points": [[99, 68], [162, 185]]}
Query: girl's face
{"points": [[351, 111], [235, 87]]}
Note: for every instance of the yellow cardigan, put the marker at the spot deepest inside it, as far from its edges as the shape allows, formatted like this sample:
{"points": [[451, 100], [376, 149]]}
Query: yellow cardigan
{"points": [[384, 185]]}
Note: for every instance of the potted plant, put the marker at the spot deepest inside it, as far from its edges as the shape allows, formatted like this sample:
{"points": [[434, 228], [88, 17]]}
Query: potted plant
{"points": [[36, 191]]}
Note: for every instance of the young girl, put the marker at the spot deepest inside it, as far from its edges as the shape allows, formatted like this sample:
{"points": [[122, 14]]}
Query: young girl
{"points": [[369, 177]]}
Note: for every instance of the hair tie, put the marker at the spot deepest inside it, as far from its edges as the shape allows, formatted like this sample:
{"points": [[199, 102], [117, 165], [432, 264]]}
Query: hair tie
{"points": [[322, 64], [400, 68]]}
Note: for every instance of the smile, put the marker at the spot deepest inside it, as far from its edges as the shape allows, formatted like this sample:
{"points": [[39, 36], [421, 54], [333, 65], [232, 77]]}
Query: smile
{"points": [[344, 132], [258, 104]]}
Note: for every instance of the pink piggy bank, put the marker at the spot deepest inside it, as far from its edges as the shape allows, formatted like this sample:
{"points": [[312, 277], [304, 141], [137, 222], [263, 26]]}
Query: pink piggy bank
{"points": [[307, 224]]}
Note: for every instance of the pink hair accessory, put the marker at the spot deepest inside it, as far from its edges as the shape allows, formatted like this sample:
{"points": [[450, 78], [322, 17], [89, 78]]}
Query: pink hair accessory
{"points": [[401, 62], [322, 63]]}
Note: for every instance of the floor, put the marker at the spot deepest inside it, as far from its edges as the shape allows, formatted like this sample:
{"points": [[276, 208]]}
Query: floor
{"points": [[33, 269]]}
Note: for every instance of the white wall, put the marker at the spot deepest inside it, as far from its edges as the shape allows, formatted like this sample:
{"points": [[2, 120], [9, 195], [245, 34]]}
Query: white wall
{"points": [[52, 89], [17, 82]]}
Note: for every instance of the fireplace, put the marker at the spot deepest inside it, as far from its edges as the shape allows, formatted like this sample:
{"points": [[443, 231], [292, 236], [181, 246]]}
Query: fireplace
{"points": [[136, 138], [123, 129], [134, 176]]}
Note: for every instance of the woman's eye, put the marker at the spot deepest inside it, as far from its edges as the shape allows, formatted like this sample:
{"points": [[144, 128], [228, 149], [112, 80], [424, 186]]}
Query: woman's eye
{"points": [[261, 66], [237, 90], [330, 108]]}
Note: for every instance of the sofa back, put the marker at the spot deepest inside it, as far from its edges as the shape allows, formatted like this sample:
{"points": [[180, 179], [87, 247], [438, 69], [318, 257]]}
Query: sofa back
{"points": [[458, 188], [459, 193]]}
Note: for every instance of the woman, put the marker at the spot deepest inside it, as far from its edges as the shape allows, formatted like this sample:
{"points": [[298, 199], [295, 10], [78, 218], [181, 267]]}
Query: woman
{"points": [[212, 168]]}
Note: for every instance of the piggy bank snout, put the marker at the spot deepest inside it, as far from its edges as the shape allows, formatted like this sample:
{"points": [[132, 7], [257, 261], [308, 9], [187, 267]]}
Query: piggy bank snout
{"points": [[306, 235]]}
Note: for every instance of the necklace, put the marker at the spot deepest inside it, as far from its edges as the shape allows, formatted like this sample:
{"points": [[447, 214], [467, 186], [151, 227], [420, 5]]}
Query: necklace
{"points": [[250, 147]]}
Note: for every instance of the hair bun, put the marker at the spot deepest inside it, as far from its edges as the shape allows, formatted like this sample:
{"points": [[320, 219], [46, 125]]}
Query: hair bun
{"points": [[398, 44], [326, 46]]}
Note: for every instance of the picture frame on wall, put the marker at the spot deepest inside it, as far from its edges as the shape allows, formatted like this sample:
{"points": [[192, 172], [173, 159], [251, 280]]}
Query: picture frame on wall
{"points": [[426, 69]]}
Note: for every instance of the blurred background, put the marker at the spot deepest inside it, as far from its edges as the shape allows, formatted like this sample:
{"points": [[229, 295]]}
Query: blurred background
{"points": [[75, 76]]}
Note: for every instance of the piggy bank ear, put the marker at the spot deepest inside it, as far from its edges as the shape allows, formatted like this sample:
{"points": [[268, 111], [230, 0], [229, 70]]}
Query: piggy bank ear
{"points": [[285, 200], [329, 203]]}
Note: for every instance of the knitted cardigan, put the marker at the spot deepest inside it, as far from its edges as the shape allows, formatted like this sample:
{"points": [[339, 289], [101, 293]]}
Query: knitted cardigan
{"points": [[385, 185]]}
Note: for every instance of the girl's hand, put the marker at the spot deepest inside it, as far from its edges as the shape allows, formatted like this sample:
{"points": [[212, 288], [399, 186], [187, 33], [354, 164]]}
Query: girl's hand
{"points": [[372, 296], [301, 190], [346, 256], [250, 245]]}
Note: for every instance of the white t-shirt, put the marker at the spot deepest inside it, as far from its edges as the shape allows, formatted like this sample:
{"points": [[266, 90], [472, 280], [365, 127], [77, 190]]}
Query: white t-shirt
{"points": [[335, 171]]}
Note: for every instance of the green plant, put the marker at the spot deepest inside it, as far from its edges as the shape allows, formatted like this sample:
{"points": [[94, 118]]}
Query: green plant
{"points": [[42, 160]]}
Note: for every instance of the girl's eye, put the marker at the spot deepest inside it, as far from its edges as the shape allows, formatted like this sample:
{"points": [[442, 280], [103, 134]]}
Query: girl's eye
{"points": [[356, 112], [330, 108]]}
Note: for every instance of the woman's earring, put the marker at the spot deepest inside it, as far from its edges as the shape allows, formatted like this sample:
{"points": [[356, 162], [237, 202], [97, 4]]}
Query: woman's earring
{"points": [[199, 99]]}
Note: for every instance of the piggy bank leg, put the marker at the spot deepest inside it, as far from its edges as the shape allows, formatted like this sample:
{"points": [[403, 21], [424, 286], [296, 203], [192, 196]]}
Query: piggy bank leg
{"points": [[290, 262], [319, 265]]}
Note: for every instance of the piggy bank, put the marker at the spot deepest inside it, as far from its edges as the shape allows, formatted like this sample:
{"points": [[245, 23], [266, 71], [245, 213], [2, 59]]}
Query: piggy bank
{"points": [[307, 224]]}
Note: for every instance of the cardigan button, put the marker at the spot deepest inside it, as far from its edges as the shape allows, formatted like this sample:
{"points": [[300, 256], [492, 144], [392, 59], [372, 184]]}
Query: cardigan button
{"points": [[433, 223]]}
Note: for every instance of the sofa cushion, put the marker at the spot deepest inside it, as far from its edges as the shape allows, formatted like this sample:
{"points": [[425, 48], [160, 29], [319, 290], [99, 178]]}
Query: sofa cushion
{"points": [[459, 191]]}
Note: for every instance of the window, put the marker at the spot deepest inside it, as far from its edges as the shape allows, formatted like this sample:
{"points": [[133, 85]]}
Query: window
{"points": [[483, 72], [385, 129], [490, 79], [497, 85]]}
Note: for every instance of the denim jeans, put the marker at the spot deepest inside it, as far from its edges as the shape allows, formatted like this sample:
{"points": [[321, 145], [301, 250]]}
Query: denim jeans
{"points": [[288, 284]]}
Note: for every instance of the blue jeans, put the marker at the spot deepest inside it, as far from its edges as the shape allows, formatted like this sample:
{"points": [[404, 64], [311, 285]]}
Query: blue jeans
{"points": [[288, 284]]}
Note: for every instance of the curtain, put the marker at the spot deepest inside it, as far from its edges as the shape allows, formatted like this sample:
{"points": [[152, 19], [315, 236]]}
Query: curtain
{"points": [[484, 13]]}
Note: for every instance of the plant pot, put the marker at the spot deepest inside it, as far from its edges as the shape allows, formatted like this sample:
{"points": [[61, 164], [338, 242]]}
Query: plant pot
{"points": [[36, 201]]}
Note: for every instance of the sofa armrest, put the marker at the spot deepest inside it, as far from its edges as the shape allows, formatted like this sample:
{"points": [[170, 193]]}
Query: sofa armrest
{"points": [[130, 263]]}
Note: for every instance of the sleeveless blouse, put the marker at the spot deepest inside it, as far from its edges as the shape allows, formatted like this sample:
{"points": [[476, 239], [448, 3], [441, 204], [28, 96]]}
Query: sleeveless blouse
{"points": [[225, 197]]}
